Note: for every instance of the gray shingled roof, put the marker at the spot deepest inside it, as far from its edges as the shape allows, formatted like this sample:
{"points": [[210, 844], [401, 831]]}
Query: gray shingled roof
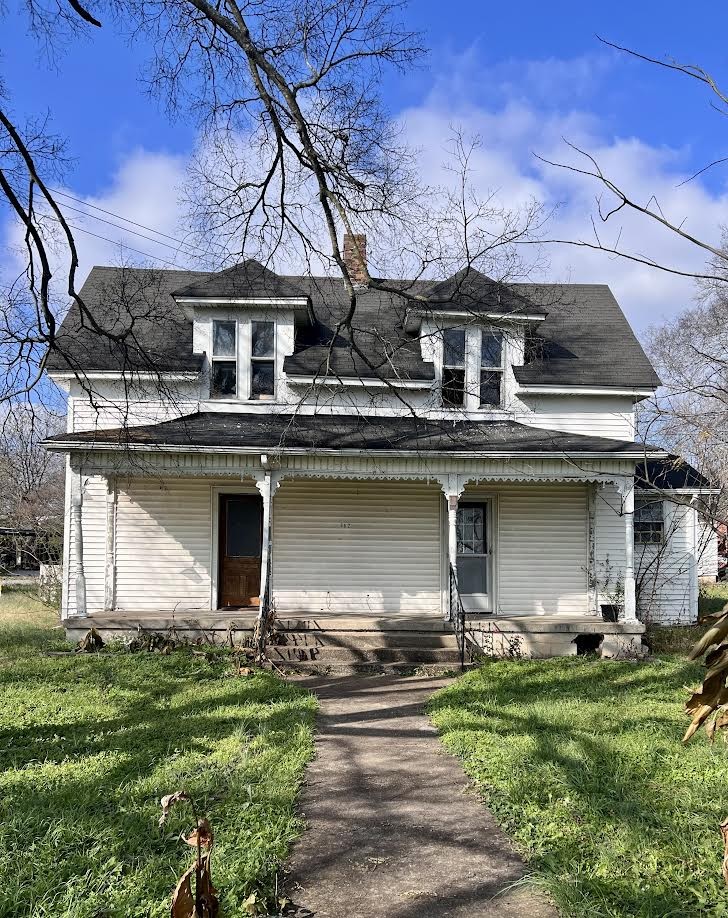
{"points": [[249, 279], [584, 340], [474, 292], [138, 303], [275, 431]]}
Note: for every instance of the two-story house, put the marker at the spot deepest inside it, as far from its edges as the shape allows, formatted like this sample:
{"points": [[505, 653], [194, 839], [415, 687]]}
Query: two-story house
{"points": [[461, 444]]}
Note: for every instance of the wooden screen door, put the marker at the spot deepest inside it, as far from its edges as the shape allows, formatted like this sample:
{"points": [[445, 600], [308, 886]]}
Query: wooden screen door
{"points": [[239, 547]]}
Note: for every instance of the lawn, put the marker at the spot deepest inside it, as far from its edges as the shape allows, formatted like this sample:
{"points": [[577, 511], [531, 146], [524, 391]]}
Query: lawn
{"points": [[88, 745], [581, 762]]}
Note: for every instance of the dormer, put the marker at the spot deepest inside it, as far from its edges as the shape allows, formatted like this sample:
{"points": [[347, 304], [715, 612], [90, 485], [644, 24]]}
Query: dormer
{"points": [[474, 330], [244, 322]]}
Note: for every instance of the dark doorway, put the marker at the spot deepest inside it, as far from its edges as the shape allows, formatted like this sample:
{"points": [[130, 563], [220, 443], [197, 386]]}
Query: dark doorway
{"points": [[239, 548]]}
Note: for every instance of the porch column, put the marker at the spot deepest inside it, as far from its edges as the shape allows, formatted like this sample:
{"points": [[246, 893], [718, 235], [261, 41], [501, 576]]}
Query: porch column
{"points": [[452, 489], [630, 597], [267, 487], [77, 528], [110, 574]]}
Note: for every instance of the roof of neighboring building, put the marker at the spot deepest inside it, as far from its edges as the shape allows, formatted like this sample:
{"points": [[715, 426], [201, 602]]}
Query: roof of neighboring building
{"points": [[260, 432], [584, 340]]}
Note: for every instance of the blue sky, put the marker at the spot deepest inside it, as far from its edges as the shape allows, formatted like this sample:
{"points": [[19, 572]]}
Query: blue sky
{"points": [[522, 75]]}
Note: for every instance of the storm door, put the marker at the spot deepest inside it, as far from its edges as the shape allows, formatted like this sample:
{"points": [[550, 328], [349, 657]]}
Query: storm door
{"points": [[474, 550]]}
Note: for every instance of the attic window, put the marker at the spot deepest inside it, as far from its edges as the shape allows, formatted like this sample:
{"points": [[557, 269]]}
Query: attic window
{"points": [[453, 367], [262, 361], [224, 362], [491, 368]]}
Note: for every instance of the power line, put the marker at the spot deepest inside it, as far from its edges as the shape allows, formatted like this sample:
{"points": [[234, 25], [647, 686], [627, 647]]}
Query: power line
{"points": [[124, 229], [118, 242], [112, 213]]}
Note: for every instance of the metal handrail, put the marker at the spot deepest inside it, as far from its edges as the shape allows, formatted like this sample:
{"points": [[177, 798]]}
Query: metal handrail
{"points": [[457, 615]]}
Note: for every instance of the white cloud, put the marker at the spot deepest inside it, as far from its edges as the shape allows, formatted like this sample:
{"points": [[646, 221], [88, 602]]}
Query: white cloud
{"points": [[144, 189], [518, 108], [513, 124]]}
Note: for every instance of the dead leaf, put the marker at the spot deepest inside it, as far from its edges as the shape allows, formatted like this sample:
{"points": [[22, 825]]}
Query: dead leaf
{"points": [[203, 832], [91, 642], [169, 801], [207, 894], [250, 906], [183, 902], [724, 834]]}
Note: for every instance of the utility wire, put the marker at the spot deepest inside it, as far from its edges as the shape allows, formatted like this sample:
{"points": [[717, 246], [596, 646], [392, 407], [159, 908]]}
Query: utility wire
{"points": [[112, 213]]}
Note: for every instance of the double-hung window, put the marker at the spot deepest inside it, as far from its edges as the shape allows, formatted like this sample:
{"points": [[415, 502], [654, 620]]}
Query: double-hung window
{"points": [[224, 382], [491, 368], [649, 523], [262, 360], [453, 367]]}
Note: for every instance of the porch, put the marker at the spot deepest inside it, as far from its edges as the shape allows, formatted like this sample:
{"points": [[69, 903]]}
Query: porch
{"points": [[359, 556]]}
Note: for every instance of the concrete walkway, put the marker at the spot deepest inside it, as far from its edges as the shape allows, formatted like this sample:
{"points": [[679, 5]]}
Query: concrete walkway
{"points": [[393, 828]]}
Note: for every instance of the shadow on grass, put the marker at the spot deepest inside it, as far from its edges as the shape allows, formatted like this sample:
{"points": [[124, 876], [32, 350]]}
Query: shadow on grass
{"points": [[582, 764], [89, 745]]}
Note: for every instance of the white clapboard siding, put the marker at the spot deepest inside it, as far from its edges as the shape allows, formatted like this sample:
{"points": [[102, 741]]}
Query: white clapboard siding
{"points": [[357, 548], [541, 549], [667, 576], [610, 544], [163, 545], [707, 550], [93, 521]]}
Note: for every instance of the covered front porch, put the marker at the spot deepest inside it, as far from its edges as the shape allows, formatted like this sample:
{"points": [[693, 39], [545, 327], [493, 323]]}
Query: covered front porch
{"points": [[541, 551]]}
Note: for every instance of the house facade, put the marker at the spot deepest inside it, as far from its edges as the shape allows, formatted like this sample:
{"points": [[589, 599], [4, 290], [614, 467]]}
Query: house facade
{"points": [[246, 438]]}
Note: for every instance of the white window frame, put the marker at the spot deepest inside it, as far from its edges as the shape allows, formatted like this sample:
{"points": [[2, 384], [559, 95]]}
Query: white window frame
{"points": [[452, 366], [252, 360], [230, 358], [495, 369], [647, 497]]}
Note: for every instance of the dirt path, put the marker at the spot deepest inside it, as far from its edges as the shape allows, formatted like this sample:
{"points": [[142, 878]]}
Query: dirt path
{"points": [[393, 828]]}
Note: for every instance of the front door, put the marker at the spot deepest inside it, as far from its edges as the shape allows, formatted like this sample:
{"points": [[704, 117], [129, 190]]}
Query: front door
{"points": [[240, 546], [474, 555]]}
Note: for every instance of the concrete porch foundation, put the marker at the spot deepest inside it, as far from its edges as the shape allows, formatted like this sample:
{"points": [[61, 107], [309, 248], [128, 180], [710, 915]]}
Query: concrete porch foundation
{"points": [[373, 640]]}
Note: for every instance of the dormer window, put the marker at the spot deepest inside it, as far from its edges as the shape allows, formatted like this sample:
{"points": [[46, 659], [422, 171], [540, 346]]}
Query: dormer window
{"points": [[453, 367], [262, 360], [224, 377], [491, 368]]}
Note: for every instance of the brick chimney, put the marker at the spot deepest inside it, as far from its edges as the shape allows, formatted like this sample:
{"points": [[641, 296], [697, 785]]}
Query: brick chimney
{"points": [[355, 257]]}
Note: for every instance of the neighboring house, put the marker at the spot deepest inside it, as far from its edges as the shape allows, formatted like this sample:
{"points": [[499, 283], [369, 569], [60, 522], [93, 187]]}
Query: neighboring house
{"points": [[238, 448]]}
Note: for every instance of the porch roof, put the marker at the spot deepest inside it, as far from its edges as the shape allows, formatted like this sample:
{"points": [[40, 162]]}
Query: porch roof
{"points": [[256, 433]]}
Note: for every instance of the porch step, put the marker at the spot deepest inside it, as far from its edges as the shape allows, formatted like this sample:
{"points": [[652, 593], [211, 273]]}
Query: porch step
{"points": [[371, 669], [327, 654], [362, 640]]}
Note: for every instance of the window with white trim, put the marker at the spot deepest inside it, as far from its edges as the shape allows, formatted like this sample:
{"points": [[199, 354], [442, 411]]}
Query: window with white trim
{"points": [[491, 368], [649, 522], [453, 367], [262, 361], [224, 376]]}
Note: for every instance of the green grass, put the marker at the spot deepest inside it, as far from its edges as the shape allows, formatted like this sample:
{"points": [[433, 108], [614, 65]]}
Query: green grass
{"points": [[88, 745], [712, 597], [582, 764]]}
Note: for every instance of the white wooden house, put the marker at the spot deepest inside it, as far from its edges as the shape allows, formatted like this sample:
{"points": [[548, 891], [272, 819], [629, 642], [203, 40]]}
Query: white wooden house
{"points": [[237, 443]]}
